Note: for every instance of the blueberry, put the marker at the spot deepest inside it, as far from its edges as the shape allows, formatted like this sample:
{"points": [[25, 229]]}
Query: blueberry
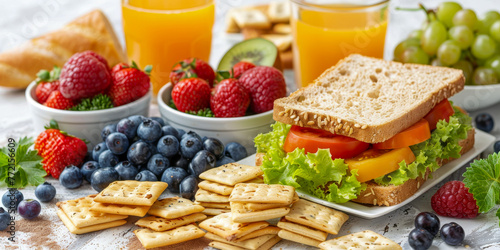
{"points": [[225, 160], [452, 233], [146, 175], [193, 134], [188, 187], [204, 138], [484, 122], [158, 119], [102, 177], [179, 161], [182, 132], [420, 239], [88, 169], [12, 198], [126, 171], [149, 130], [29, 209], [157, 164], [107, 130], [117, 143], [236, 151], [4, 219], [139, 153], [168, 146], [137, 119], [173, 177], [169, 130], [189, 146], [108, 159], [128, 127], [88, 156], [98, 149], [201, 162], [143, 167], [215, 146], [428, 221], [71, 177], [496, 146], [45, 192], [151, 146]]}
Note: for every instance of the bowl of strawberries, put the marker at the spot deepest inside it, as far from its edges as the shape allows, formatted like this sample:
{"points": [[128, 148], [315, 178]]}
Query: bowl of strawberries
{"points": [[234, 105], [85, 95]]}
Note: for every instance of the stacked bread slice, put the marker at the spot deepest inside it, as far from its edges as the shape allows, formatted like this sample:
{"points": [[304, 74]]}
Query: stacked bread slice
{"points": [[218, 183], [310, 223]]}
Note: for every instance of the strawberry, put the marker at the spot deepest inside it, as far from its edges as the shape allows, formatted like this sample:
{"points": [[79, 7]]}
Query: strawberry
{"points": [[46, 83], [265, 84], [229, 99], [59, 149], [240, 67], [129, 84], [57, 101], [191, 94], [192, 67], [118, 67], [83, 76]]}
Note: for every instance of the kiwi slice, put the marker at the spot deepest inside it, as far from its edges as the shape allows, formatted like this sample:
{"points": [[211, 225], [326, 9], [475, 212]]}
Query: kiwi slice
{"points": [[258, 51]]}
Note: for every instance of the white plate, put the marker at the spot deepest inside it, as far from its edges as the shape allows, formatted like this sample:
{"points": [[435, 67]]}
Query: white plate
{"points": [[482, 141]]}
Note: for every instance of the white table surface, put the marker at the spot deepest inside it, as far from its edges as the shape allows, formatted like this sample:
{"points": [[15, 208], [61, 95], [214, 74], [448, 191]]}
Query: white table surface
{"points": [[22, 20]]}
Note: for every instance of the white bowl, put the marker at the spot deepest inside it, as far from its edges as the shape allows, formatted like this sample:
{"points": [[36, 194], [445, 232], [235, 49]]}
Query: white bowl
{"points": [[83, 124], [477, 97], [238, 129]]}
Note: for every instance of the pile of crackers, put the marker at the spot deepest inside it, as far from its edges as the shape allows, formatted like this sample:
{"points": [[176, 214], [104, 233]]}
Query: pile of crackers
{"points": [[271, 22]]}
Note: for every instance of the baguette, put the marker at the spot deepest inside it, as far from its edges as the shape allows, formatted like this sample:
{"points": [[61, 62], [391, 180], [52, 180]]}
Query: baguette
{"points": [[374, 99], [92, 31]]}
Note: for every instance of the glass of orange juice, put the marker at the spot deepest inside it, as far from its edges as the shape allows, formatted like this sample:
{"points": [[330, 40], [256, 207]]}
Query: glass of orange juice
{"points": [[326, 31], [163, 32]]}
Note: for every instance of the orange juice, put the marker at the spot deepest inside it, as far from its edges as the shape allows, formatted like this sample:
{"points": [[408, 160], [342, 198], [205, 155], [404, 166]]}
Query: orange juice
{"points": [[325, 34], [163, 32]]}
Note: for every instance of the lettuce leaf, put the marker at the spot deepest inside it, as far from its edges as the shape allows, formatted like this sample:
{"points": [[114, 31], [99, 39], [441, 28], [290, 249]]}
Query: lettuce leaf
{"points": [[443, 144]]}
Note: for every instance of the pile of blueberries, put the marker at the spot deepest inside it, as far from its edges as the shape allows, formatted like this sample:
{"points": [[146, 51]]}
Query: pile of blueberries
{"points": [[145, 149], [426, 228]]}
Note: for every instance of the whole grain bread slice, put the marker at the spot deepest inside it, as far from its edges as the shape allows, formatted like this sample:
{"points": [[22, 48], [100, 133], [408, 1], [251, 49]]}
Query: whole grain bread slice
{"points": [[369, 99]]}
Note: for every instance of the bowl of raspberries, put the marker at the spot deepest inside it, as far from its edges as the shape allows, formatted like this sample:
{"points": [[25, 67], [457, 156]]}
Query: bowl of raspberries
{"points": [[233, 105], [86, 94]]}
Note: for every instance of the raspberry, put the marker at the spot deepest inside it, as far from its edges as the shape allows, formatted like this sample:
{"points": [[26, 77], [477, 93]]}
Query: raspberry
{"points": [[454, 200], [230, 99], [191, 94], [265, 84]]}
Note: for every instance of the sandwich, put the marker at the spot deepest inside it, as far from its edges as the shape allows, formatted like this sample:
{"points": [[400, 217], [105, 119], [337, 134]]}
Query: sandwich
{"points": [[366, 130]]}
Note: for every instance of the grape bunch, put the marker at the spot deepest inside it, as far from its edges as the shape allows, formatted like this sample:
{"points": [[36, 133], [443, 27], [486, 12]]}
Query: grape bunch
{"points": [[455, 37]]}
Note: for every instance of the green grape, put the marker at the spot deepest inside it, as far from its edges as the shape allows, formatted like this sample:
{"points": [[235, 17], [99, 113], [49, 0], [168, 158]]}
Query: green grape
{"points": [[432, 37], [436, 62], [415, 34], [446, 11], [485, 23], [466, 68], [424, 25], [414, 55], [465, 17], [462, 35], [402, 46], [494, 64], [484, 76], [483, 47], [495, 30], [449, 52]]}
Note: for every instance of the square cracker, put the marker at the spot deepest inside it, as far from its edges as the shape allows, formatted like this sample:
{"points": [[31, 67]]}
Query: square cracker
{"points": [[242, 215], [316, 216], [254, 243], [295, 237], [151, 239], [207, 196], [231, 174], [215, 211], [301, 229], [223, 226], [119, 209], [215, 187], [224, 246], [174, 207], [161, 224], [139, 193], [78, 211], [83, 230], [361, 240], [264, 206], [267, 230], [223, 205], [262, 193]]}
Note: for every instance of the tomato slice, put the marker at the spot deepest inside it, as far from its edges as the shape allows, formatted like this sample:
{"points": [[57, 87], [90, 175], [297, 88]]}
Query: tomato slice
{"points": [[312, 139], [374, 163], [442, 111], [416, 133]]}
